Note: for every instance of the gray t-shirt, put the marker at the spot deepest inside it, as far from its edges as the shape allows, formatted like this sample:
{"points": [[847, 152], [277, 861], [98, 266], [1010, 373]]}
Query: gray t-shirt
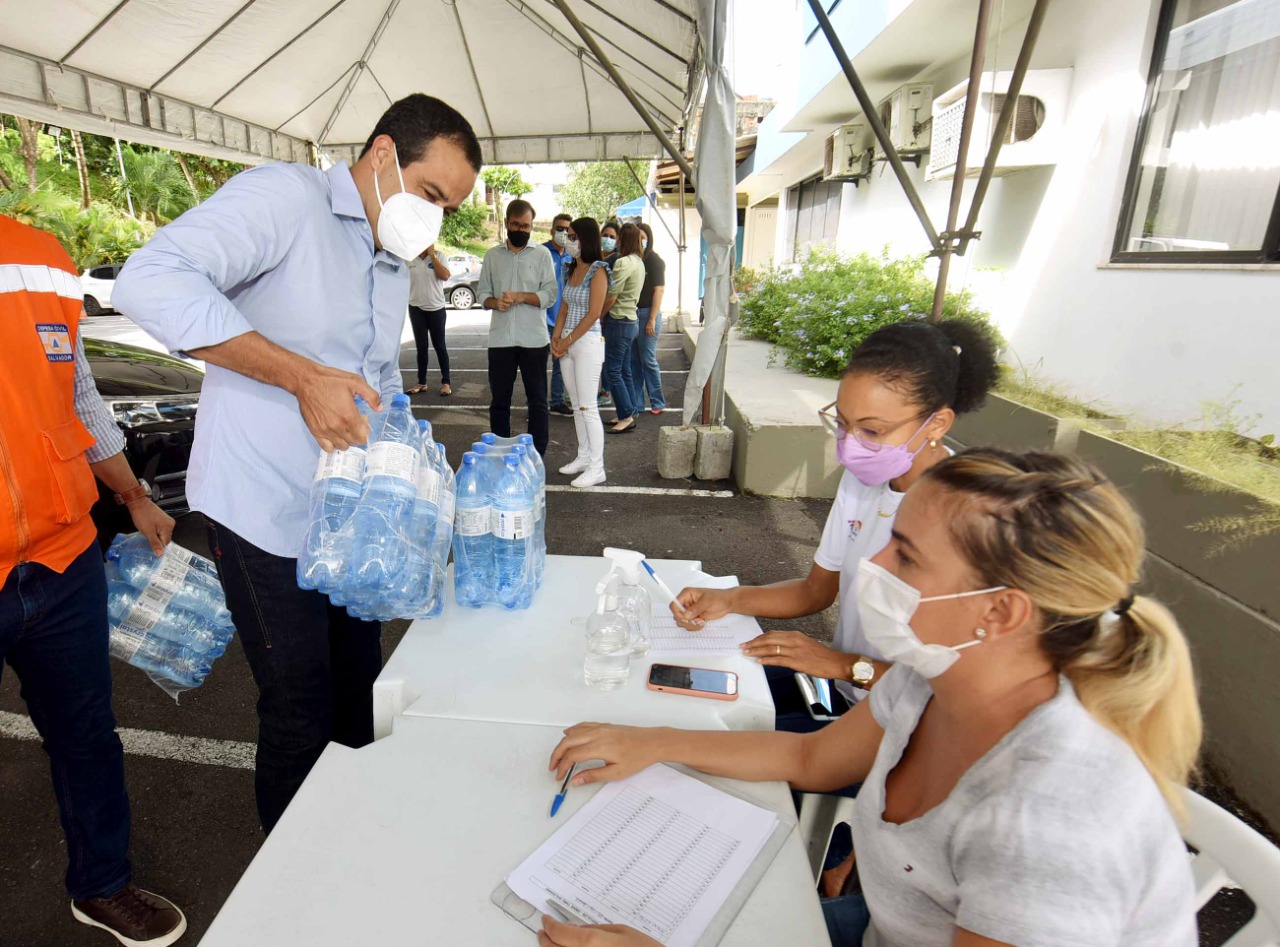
{"points": [[1057, 837], [529, 271]]}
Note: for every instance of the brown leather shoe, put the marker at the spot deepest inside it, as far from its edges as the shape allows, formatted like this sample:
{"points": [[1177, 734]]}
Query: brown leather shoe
{"points": [[135, 917]]}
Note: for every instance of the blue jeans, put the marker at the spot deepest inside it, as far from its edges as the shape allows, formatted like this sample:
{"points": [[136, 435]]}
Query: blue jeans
{"points": [[847, 919], [558, 394], [53, 633], [618, 340], [313, 663], [645, 374]]}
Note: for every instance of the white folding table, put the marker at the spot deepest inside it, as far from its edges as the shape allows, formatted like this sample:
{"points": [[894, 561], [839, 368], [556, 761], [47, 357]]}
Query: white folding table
{"points": [[526, 666], [402, 842]]}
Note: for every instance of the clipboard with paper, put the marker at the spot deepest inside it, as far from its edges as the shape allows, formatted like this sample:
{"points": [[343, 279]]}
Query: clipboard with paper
{"points": [[669, 851]]}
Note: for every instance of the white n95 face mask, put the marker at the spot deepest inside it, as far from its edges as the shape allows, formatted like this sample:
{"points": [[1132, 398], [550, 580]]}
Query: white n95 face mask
{"points": [[408, 223], [885, 607]]}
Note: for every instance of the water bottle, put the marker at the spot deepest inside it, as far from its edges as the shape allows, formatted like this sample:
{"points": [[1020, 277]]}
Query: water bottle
{"points": [[500, 443], [335, 494], [134, 641], [540, 508], [472, 542], [174, 624], [443, 538], [635, 604], [414, 587], [607, 664], [381, 519], [512, 526], [178, 573]]}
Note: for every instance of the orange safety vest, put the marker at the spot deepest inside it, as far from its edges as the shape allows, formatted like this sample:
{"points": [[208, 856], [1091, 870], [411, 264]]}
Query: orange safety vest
{"points": [[46, 485]]}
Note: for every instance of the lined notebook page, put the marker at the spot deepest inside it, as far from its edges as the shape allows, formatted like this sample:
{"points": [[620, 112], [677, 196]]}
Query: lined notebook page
{"points": [[722, 636], [659, 851]]}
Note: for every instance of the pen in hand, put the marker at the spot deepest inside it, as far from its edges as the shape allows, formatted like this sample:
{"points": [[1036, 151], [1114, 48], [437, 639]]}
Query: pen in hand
{"points": [[558, 801], [671, 595]]}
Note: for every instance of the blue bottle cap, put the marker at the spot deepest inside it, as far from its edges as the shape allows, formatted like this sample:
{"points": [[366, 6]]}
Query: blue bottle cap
{"points": [[511, 460], [480, 448], [489, 438], [400, 401], [525, 439], [423, 424], [469, 459], [519, 450]]}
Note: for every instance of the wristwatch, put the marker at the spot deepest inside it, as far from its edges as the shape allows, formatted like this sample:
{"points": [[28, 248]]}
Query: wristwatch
{"points": [[862, 671], [142, 490]]}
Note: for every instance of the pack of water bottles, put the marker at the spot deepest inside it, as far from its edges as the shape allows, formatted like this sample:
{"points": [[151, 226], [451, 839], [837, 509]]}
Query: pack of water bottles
{"points": [[167, 614], [381, 521], [500, 534]]}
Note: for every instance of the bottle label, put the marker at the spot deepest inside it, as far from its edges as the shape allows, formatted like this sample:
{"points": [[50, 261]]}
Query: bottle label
{"points": [[512, 524], [387, 459], [170, 575], [344, 464], [429, 485], [446, 507], [473, 521], [127, 637]]}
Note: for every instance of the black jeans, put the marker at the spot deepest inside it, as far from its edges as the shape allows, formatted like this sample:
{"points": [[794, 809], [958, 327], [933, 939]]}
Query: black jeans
{"points": [[429, 322], [313, 663], [532, 365], [53, 633]]}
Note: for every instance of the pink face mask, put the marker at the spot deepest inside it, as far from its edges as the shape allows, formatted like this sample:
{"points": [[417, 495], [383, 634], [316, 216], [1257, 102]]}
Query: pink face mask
{"points": [[874, 467]]}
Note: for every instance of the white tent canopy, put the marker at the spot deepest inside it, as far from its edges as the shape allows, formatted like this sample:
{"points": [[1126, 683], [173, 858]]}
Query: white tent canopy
{"points": [[257, 80]]}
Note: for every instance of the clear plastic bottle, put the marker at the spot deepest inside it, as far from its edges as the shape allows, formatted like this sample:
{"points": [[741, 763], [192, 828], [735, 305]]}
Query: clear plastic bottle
{"points": [[135, 641], [381, 520], [177, 572], [540, 512], [443, 538], [173, 624], [512, 526], [335, 494], [415, 582], [635, 604], [607, 664], [472, 542]]}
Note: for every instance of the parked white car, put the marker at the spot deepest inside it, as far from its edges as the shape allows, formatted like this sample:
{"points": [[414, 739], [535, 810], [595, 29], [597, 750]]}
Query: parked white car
{"points": [[97, 282]]}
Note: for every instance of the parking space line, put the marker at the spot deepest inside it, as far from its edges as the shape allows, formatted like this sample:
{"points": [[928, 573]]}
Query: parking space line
{"points": [[645, 491], [206, 751]]}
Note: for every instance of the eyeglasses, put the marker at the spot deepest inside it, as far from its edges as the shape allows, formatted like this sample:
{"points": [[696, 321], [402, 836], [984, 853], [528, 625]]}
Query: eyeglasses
{"points": [[833, 425]]}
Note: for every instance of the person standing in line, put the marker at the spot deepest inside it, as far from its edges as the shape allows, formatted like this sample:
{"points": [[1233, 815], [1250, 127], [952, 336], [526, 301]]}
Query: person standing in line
{"points": [[56, 436], [518, 284], [427, 274], [628, 280], [645, 374], [577, 340], [291, 283], [609, 241], [608, 253], [560, 258]]}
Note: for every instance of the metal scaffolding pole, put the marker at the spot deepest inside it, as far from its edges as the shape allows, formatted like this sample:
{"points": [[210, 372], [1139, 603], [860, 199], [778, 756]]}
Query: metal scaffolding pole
{"points": [[624, 88]]}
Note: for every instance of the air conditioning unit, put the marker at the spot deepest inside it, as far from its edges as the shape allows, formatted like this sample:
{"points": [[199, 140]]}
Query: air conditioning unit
{"points": [[907, 116], [847, 157], [1035, 135]]}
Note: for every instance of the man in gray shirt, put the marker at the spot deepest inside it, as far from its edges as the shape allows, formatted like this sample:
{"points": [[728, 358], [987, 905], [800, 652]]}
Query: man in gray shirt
{"points": [[518, 283]]}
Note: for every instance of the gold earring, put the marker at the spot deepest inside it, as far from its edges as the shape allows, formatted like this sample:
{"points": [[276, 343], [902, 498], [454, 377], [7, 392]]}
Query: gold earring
{"points": [[933, 445]]}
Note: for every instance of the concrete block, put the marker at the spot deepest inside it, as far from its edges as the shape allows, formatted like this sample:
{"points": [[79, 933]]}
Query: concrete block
{"points": [[677, 447], [714, 459]]}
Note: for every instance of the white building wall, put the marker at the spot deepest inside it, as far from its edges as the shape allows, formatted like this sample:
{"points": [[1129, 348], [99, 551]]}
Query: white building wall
{"points": [[1151, 342]]}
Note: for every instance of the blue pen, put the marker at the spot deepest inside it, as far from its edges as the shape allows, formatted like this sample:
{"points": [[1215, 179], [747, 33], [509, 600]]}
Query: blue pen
{"points": [[670, 594], [558, 801]]}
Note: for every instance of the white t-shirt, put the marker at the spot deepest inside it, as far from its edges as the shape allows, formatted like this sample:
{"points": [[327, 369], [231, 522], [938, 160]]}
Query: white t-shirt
{"points": [[858, 527], [1057, 837], [426, 291]]}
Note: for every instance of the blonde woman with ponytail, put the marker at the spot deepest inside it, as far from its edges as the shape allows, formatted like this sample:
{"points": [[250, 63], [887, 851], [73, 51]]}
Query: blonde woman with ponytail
{"points": [[1022, 760]]}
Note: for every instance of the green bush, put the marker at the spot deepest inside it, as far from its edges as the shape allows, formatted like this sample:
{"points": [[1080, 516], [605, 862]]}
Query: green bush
{"points": [[819, 314], [465, 224]]}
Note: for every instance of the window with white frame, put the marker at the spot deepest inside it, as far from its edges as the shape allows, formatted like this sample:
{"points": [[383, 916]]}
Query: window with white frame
{"points": [[1205, 178]]}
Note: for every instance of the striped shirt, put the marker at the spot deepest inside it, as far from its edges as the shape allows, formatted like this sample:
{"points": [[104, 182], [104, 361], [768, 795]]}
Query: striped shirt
{"points": [[578, 299], [93, 412]]}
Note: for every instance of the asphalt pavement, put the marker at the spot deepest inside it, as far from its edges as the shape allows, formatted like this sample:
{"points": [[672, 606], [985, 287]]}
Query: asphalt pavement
{"points": [[194, 821]]}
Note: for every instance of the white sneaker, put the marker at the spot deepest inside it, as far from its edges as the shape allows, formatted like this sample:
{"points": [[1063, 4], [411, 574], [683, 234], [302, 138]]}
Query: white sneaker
{"points": [[576, 466], [590, 478]]}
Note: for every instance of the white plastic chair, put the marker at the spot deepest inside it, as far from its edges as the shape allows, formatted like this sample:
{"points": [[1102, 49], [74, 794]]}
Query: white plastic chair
{"points": [[819, 816], [1230, 851]]}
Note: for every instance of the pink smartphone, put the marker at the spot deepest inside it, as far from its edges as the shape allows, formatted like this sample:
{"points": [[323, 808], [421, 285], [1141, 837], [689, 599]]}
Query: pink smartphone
{"points": [[693, 682]]}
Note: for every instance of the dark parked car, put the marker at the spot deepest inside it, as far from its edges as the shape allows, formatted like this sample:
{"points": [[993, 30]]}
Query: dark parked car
{"points": [[154, 399]]}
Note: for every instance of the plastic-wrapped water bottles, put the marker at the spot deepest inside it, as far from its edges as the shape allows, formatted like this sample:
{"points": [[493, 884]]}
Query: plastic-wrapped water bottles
{"points": [[381, 519], [335, 493], [191, 585], [540, 509], [167, 615], [512, 526], [472, 541], [443, 538]]}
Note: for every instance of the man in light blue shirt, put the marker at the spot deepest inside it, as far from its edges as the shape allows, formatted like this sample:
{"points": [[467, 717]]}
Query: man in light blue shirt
{"points": [[291, 284]]}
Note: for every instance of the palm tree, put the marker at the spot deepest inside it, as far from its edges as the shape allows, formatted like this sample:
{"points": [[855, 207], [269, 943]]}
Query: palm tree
{"points": [[160, 191]]}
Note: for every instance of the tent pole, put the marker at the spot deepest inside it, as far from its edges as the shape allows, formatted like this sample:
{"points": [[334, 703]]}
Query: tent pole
{"points": [[624, 88], [648, 197], [680, 248], [947, 248]]}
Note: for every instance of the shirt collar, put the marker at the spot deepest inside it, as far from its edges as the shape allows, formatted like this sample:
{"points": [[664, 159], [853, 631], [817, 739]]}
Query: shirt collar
{"points": [[344, 197]]}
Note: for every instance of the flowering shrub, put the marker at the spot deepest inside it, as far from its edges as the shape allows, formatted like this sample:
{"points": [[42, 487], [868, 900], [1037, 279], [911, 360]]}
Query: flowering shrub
{"points": [[819, 314]]}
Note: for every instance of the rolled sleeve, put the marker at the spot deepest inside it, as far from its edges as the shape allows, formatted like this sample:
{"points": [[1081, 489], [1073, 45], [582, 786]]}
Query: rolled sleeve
{"points": [[175, 286], [93, 411], [485, 286], [547, 285]]}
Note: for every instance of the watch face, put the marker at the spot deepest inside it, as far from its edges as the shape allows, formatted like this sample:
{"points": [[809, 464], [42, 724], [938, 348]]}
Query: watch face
{"points": [[863, 671]]}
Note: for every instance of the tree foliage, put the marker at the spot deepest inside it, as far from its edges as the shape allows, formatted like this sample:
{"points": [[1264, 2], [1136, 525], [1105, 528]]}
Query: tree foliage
{"points": [[596, 189], [464, 225]]}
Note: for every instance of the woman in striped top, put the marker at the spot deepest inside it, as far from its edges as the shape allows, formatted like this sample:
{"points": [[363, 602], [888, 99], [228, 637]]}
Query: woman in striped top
{"points": [[577, 342]]}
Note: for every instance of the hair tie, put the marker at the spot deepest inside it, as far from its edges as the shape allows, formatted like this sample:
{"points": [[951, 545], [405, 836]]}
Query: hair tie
{"points": [[956, 349], [1125, 604]]}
